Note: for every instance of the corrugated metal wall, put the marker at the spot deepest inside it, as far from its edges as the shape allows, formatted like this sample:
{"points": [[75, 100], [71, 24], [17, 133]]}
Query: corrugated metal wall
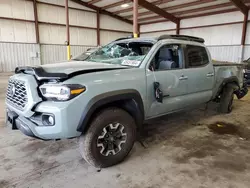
{"points": [[157, 34], [56, 53], [107, 36], [247, 52], [226, 53], [107, 22], [18, 54], [17, 38], [223, 41]]}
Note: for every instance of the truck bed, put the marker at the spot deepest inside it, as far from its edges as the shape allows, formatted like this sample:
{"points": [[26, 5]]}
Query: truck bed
{"points": [[226, 70], [226, 63]]}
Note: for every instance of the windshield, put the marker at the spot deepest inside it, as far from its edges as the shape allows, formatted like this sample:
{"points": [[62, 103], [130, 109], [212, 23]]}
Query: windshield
{"points": [[127, 54]]}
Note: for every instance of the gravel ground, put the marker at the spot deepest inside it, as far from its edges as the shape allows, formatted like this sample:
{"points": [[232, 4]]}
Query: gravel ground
{"points": [[193, 149]]}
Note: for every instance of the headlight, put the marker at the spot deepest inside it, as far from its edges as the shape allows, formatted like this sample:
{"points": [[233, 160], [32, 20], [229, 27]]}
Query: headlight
{"points": [[61, 92]]}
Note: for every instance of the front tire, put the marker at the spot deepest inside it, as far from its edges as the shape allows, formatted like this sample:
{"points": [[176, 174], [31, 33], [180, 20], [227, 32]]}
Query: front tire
{"points": [[226, 101], [109, 139]]}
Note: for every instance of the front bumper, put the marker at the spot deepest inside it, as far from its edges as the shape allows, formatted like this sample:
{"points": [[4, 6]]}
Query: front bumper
{"points": [[67, 116], [17, 124]]}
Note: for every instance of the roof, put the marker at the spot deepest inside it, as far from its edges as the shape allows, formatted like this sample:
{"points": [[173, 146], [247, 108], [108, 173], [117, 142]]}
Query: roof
{"points": [[140, 39], [163, 37]]}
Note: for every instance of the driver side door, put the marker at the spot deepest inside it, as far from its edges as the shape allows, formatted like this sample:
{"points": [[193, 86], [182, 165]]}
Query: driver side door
{"points": [[167, 68]]}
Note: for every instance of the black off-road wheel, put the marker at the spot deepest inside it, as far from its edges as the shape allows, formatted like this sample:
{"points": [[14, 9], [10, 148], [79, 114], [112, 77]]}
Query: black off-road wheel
{"points": [[226, 99], [109, 139]]}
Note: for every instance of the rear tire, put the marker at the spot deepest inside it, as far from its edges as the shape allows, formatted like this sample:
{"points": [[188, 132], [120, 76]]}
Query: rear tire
{"points": [[109, 139], [226, 99]]}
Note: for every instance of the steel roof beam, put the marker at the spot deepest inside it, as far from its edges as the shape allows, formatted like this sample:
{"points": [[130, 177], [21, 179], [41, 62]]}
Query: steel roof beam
{"points": [[240, 5], [102, 11], [157, 2], [185, 5], [158, 10], [211, 7], [94, 1], [116, 4]]}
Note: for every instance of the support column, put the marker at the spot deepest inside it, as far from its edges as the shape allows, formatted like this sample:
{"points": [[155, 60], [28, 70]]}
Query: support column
{"points": [[135, 18], [178, 28], [36, 22], [98, 27], [67, 29], [243, 37], [38, 51]]}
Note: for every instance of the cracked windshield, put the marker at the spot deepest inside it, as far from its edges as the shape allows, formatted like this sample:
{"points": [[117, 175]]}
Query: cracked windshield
{"points": [[126, 54]]}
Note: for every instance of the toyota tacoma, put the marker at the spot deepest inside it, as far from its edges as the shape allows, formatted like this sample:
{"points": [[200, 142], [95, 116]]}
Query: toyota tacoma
{"points": [[105, 97]]}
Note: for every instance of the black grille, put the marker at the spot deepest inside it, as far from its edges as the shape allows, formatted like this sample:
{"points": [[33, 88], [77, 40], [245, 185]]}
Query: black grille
{"points": [[16, 94]]}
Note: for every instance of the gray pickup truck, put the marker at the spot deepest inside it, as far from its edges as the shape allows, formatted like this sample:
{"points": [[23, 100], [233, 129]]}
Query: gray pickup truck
{"points": [[105, 97]]}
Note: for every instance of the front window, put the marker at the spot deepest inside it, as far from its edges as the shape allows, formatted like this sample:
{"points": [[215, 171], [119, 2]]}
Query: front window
{"points": [[168, 57], [121, 53]]}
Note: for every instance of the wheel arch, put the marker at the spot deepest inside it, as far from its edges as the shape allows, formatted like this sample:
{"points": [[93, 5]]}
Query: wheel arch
{"points": [[129, 100], [233, 81]]}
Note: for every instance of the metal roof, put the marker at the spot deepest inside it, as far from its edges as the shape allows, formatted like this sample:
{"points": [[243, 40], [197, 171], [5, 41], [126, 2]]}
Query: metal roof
{"points": [[178, 8]]}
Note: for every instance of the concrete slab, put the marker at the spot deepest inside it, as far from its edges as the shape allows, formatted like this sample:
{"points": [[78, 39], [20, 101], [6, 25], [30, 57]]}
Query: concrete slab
{"points": [[182, 150]]}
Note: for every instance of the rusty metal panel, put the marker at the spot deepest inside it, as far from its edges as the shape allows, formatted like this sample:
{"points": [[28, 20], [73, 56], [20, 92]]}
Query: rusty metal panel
{"points": [[18, 54], [57, 53]]}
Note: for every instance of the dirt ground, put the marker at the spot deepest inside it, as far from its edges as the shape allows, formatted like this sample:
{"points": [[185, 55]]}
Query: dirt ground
{"points": [[193, 149]]}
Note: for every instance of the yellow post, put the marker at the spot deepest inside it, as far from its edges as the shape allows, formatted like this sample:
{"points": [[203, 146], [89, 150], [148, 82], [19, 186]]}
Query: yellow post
{"points": [[68, 52], [135, 35]]}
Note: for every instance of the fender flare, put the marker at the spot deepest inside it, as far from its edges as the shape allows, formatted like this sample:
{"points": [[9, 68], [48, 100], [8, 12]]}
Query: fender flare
{"points": [[226, 81], [109, 97]]}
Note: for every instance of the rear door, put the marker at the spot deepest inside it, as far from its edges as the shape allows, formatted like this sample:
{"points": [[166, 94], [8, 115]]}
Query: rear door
{"points": [[200, 73]]}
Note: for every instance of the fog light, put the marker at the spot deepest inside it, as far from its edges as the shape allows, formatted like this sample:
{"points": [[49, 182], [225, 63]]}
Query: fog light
{"points": [[51, 120], [48, 119]]}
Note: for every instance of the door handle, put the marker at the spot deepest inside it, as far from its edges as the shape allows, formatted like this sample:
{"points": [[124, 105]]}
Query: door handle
{"points": [[210, 74], [183, 77]]}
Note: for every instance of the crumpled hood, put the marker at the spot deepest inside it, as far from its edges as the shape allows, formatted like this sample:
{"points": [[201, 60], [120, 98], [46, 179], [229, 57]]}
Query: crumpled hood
{"points": [[69, 67], [66, 70]]}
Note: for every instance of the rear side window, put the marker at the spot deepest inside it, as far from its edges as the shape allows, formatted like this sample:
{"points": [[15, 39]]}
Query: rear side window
{"points": [[196, 56]]}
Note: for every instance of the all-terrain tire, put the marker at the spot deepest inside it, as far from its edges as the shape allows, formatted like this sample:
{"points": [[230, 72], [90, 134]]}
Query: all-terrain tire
{"points": [[88, 141], [226, 99]]}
